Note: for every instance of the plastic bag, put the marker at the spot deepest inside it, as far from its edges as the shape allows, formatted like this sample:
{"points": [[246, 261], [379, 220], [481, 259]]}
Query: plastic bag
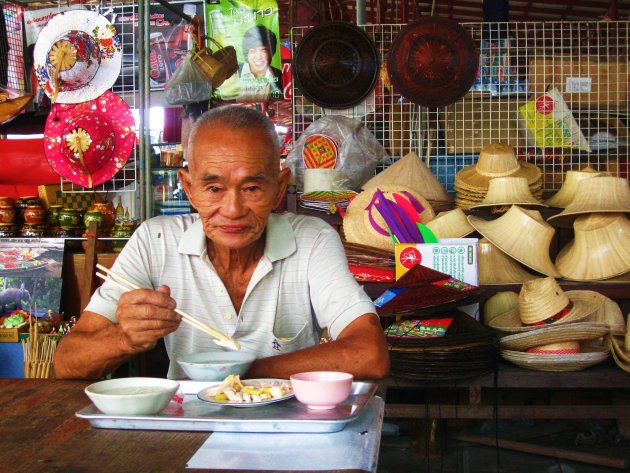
{"points": [[353, 152], [188, 85]]}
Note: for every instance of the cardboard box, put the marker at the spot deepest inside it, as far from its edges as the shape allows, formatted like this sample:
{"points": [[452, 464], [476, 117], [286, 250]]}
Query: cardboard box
{"points": [[12, 334], [581, 81], [471, 123], [456, 257]]}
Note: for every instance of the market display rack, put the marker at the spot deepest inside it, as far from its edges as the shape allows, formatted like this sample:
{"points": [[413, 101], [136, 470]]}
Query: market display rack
{"points": [[587, 61]]}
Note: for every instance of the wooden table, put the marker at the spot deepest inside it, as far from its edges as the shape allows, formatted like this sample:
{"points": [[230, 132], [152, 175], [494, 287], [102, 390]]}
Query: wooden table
{"points": [[40, 433]]}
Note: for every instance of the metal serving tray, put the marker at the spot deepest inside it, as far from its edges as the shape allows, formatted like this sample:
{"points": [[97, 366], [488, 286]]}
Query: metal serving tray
{"points": [[196, 415]]}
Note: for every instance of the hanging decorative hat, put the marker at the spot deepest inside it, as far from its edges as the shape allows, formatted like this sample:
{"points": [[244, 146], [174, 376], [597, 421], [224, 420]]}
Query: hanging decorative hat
{"points": [[568, 191], [600, 250], [599, 194], [542, 302], [432, 62], [495, 160], [336, 65], [368, 220], [87, 143], [410, 171], [77, 56], [506, 233]]}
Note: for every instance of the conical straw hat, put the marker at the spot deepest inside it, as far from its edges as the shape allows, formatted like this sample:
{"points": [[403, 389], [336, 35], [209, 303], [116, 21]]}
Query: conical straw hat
{"points": [[554, 334], [357, 227], [600, 250], [557, 362], [610, 314], [495, 160], [507, 191], [523, 235], [567, 192], [498, 304], [410, 171], [450, 224], [541, 300], [495, 267], [599, 194]]}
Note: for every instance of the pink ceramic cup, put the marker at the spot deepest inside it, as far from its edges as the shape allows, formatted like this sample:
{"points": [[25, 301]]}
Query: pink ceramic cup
{"points": [[321, 389]]}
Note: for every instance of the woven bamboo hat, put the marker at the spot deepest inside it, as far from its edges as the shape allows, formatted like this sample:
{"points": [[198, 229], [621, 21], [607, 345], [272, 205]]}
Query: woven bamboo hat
{"points": [[619, 354], [508, 191], [557, 362], [567, 192], [450, 224], [521, 233], [410, 171], [495, 267], [610, 314], [495, 160], [543, 302], [498, 304], [600, 250], [363, 223], [553, 334], [602, 194], [557, 348]]}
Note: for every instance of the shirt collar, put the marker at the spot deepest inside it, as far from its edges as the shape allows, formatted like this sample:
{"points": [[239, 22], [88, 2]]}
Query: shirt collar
{"points": [[279, 239]]}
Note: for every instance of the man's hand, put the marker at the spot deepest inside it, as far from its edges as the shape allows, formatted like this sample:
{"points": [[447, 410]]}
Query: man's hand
{"points": [[144, 316]]}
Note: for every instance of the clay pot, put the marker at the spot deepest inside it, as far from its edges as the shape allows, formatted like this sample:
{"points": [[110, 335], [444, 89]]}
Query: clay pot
{"points": [[109, 212], [69, 218], [33, 230], [8, 230], [7, 214], [94, 216], [53, 214], [6, 201], [34, 214]]}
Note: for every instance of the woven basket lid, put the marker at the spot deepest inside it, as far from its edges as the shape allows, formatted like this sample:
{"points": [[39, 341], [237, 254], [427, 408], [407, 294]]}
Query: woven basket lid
{"points": [[450, 224], [567, 192], [495, 160], [496, 267], [508, 191], [357, 227], [601, 194], [549, 334], [410, 171], [600, 250], [523, 235]]}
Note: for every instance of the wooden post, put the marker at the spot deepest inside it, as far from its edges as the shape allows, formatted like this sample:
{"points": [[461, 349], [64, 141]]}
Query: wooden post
{"points": [[89, 265]]}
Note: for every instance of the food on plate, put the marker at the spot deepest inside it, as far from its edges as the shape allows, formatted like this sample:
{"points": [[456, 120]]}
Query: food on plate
{"points": [[232, 389]]}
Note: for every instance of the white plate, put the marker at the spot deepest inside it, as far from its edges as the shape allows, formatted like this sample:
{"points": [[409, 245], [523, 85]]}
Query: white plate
{"points": [[203, 394]]}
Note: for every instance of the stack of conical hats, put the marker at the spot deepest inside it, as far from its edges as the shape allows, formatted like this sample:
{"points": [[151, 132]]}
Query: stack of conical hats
{"points": [[567, 192], [495, 160], [601, 245]]}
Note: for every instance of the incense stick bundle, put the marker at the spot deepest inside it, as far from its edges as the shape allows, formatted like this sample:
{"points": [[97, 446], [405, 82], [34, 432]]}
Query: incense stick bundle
{"points": [[38, 353]]}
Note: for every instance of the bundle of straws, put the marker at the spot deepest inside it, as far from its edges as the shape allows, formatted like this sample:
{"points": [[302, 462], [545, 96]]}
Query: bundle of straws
{"points": [[38, 353]]}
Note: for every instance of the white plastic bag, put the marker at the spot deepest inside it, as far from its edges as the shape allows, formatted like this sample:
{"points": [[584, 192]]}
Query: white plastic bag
{"points": [[188, 85]]}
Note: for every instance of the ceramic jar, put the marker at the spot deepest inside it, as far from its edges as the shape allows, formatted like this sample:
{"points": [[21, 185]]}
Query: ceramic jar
{"points": [[52, 215], [7, 214], [94, 216], [69, 218], [33, 230], [109, 212], [66, 232], [122, 229], [6, 201], [34, 214], [8, 230]]}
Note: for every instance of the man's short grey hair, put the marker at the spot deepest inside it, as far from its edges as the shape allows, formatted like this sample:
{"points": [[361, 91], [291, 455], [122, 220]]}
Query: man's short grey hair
{"points": [[239, 118]]}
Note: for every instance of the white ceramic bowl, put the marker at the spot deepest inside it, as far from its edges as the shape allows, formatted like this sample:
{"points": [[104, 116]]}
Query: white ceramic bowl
{"points": [[321, 389], [132, 396], [215, 366]]}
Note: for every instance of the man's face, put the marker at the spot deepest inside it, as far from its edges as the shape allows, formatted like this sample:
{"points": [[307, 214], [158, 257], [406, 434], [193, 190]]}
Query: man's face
{"points": [[259, 59], [234, 184]]}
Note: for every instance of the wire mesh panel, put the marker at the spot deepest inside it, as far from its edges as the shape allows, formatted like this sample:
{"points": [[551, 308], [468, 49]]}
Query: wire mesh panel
{"points": [[556, 91], [12, 73]]}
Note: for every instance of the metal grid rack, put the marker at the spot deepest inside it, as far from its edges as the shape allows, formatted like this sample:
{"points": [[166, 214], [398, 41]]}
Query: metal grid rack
{"points": [[12, 72], [519, 62]]}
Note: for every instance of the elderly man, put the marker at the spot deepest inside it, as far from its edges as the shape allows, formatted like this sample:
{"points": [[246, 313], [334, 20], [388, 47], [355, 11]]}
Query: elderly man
{"points": [[270, 281]]}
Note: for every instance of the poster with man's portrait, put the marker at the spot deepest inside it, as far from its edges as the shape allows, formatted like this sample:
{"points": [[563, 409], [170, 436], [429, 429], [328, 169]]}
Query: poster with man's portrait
{"points": [[252, 28]]}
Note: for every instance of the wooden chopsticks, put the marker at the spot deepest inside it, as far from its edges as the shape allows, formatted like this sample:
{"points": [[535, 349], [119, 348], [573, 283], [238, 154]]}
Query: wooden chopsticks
{"points": [[126, 284]]}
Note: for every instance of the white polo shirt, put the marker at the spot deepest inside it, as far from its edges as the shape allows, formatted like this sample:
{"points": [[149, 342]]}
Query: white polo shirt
{"points": [[301, 285]]}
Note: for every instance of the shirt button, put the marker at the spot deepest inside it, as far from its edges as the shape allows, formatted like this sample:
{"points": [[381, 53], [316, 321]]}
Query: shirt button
{"points": [[228, 315]]}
